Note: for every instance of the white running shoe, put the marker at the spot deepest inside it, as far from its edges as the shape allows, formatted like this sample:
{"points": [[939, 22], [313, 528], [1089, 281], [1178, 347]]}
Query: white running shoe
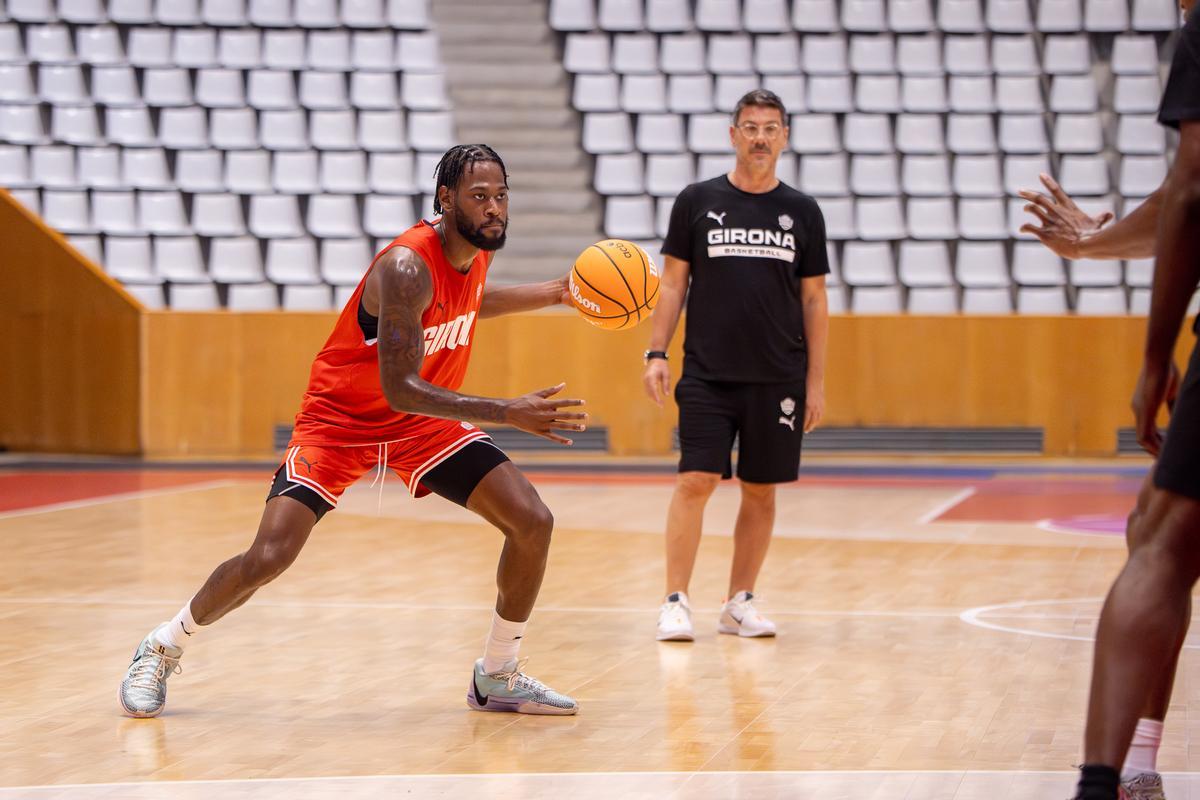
{"points": [[739, 616], [143, 692], [675, 619]]}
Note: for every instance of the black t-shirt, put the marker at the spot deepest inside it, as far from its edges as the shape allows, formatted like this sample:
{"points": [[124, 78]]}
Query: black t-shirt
{"points": [[1181, 98], [747, 253]]}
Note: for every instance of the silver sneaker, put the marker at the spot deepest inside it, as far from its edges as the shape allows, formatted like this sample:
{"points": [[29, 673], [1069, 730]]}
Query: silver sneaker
{"points": [[143, 693], [1146, 786]]}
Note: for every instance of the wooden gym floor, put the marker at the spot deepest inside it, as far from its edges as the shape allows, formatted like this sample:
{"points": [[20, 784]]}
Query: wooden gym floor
{"points": [[935, 626]]}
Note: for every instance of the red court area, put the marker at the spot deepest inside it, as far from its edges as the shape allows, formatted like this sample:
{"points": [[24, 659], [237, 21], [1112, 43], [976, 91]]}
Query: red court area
{"points": [[1027, 495], [1006, 499], [23, 490]]}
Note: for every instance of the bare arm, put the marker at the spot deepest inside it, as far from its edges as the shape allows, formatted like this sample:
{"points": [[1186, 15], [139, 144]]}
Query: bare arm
{"points": [[526, 297], [1176, 274], [816, 334], [1071, 233], [672, 289], [406, 290]]}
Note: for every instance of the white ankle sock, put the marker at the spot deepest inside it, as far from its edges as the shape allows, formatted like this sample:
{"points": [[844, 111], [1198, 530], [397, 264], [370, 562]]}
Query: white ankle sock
{"points": [[502, 644], [181, 630], [1143, 751]]}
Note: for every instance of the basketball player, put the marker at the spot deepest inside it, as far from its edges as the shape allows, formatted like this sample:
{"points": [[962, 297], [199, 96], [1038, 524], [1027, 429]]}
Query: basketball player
{"points": [[1146, 616], [748, 252], [382, 395]]}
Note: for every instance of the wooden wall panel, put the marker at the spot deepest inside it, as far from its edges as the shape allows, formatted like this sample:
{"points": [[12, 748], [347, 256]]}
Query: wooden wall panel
{"points": [[69, 345], [217, 384]]}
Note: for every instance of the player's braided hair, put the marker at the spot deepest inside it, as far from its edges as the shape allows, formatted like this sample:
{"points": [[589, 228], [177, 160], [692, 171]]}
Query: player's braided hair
{"points": [[455, 163]]}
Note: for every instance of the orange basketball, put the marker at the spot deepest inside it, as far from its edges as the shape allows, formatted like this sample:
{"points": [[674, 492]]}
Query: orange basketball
{"points": [[614, 284]]}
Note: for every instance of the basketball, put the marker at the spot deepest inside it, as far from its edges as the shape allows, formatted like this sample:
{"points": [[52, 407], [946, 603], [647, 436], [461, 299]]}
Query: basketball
{"points": [[614, 284]]}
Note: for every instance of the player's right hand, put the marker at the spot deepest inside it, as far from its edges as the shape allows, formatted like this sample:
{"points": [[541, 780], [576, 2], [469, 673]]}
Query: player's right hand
{"points": [[657, 380], [1157, 384], [540, 415]]}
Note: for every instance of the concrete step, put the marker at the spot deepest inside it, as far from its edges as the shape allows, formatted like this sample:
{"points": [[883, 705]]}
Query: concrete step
{"points": [[546, 244], [509, 98], [550, 200], [538, 117], [556, 223], [519, 158], [509, 268], [512, 33], [532, 180], [446, 14], [563, 137], [506, 53], [508, 75]]}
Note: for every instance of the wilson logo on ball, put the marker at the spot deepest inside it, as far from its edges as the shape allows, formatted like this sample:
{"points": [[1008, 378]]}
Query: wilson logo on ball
{"points": [[614, 284]]}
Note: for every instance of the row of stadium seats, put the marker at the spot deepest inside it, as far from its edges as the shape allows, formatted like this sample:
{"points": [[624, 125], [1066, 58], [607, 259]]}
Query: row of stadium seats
{"points": [[837, 174], [267, 216], [901, 16], [1023, 300], [399, 14], [866, 54], [236, 48], [202, 171], [890, 94], [229, 128], [869, 218], [274, 90], [910, 134]]}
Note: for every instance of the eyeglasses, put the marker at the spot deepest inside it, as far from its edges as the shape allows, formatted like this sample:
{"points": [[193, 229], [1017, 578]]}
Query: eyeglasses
{"points": [[752, 131]]}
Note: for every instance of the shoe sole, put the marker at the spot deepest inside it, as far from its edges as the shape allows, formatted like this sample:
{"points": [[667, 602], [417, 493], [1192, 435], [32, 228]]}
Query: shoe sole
{"points": [[675, 637], [503, 706], [739, 632]]}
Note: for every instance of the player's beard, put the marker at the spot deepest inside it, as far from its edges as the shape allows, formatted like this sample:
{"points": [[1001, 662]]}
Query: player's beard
{"points": [[477, 236]]}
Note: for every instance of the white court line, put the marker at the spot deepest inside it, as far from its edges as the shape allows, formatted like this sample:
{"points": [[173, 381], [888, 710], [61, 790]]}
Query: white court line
{"points": [[491, 775], [335, 604], [943, 507], [972, 617], [116, 498]]}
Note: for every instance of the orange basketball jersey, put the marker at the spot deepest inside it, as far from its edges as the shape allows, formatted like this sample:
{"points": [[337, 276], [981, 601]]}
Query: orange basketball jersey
{"points": [[344, 403]]}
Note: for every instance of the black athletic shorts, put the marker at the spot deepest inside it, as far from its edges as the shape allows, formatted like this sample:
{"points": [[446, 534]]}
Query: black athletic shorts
{"points": [[1178, 468], [453, 478], [766, 418]]}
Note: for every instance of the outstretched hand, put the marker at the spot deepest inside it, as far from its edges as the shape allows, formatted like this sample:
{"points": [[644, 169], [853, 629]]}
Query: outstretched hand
{"points": [[540, 415], [1064, 225]]}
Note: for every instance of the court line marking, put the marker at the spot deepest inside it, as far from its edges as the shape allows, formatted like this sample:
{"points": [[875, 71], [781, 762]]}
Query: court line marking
{"points": [[381, 606], [141, 494], [973, 613], [516, 775], [972, 617], [1050, 526], [946, 505]]}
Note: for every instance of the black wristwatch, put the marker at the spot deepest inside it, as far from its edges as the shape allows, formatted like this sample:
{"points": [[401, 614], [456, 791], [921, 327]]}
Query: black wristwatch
{"points": [[649, 354]]}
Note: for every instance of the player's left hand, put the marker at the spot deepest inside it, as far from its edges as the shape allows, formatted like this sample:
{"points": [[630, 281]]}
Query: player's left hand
{"points": [[564, 290], [1063, 224], [1157, 384], [814, 405]]}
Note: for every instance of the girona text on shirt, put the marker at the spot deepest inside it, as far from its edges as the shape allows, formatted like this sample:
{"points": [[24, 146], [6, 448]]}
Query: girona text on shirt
{"points": [[449, 335], [752, 242]]}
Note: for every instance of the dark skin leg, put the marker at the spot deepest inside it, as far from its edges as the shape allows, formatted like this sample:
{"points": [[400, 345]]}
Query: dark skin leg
{"points": [[507, 499], [1148, 607], [504, 498], [1159, 699], [282, 533]]}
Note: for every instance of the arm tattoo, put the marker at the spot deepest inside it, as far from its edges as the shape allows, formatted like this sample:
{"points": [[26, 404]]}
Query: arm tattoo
{"points": [[406, 289]]}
